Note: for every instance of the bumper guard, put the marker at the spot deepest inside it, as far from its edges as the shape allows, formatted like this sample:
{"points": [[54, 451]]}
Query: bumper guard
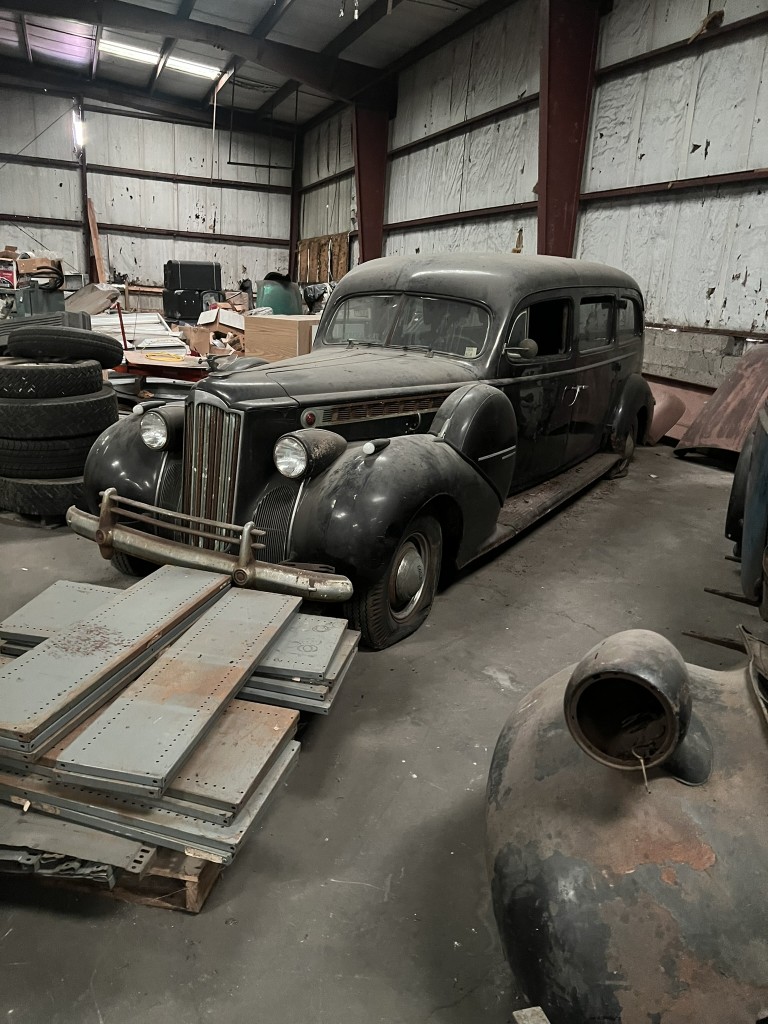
{"points": [[245, 570]]}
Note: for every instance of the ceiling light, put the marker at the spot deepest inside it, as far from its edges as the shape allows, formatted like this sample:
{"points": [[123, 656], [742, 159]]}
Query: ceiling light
{"points": [[191, 67], [78, 130], [134, 53]]}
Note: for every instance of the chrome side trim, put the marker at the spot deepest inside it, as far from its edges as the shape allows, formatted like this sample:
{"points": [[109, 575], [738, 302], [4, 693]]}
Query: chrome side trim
{"points": [[505, 453]]}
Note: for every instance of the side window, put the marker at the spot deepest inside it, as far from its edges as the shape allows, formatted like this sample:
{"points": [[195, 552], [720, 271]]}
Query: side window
{"points": [[629, 320], [595, 322], [549, 326]]}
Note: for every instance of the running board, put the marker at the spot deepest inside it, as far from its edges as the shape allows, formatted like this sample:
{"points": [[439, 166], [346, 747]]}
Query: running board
{"points": [[524, 509]]}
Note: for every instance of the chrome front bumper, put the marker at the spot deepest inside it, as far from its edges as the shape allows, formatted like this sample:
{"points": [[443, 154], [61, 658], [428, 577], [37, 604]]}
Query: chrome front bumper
{"points": [[245, 570]]}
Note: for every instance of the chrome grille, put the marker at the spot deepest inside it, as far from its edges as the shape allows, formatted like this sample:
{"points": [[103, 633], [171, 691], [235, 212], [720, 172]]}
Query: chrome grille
{"points": [[211, 448], [273, 516]]}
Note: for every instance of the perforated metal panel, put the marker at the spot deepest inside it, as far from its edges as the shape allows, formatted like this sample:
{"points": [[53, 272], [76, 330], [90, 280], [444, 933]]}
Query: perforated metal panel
{"points": [[57, 608], [305, 648], [57, 678], [155, 724]]}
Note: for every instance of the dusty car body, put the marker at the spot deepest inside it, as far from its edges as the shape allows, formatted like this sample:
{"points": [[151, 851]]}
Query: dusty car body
{"points": [[616, 904], [438, 387]]}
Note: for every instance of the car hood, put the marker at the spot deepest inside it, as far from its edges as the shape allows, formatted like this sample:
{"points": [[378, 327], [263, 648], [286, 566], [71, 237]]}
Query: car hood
{"points": [[324, 374]]}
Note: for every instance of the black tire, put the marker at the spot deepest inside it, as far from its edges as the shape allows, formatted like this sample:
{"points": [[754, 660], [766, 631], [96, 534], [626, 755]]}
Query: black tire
{"points": [[630, 444], [50, 380], [383, 617], [42, 460], [62, 344], [128, 565], [40, 497], [81, 416], [734, 517]]}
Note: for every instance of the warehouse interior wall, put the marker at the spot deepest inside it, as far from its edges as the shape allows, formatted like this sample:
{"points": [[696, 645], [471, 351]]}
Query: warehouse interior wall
{"points": [[145, 216], [463, 165]]}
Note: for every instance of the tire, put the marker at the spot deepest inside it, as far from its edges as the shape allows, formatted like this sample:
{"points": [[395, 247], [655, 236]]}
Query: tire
{"points": [[630, 443], [61, 344], [42, 460], [79, 416], [50, 380], [382, 617], [40, 497], [734, 517], [128, 565]]}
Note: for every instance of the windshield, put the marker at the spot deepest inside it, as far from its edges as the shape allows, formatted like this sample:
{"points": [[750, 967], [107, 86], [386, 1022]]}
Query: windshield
{"points": [[447, 326]]}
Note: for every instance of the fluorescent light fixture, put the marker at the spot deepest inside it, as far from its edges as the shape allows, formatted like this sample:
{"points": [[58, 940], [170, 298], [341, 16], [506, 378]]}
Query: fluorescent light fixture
{"points": [[78, 130], [191, 67], [134, 53]]}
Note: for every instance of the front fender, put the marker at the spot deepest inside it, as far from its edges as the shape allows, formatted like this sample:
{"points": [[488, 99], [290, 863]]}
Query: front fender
{"points": [[353, 515], [635, 402], [119, 458]]}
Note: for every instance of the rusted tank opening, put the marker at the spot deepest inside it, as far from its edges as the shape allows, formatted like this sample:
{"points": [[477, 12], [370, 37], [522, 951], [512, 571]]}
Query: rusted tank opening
{"points": [[620, 720]]}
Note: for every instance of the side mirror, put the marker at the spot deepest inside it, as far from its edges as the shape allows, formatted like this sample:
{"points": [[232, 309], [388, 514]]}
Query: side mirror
{"points": [[527, 349]]}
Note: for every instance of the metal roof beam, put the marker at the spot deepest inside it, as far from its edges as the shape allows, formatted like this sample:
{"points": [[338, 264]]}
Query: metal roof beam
{"points": [[331, 76], [14, 74], [21, 24], [184, 10], [95, 54], [364, 23]]}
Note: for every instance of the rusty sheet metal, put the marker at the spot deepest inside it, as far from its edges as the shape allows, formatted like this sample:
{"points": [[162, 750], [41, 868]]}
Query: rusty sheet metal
{"points": [[693, 396], [129, 818], [728, 416], [59, 682], [668, 409], [144, 736], [31, 831]]}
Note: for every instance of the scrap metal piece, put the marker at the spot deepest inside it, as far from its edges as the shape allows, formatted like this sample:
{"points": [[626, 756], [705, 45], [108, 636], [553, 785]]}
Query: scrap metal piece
{"points": [[143, 737], [33, 831], [58, 607], [59, 677], [727, 418], [306, 648], [217, 843]]}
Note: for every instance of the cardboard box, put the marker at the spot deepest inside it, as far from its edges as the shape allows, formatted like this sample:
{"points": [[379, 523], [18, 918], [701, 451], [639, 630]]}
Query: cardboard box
{"points": [[200, 340], [31, 266], [279, 337], [221, 320], [7, 273]]}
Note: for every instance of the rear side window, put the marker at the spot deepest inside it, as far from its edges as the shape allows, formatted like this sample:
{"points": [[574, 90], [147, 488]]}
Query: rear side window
{"points": [[547, 323], [595, 323], [629, 320]]}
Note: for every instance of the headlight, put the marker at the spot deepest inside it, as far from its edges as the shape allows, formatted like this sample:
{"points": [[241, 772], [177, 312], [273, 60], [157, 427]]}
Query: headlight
{"points": [[154, 430], [291, 457]]}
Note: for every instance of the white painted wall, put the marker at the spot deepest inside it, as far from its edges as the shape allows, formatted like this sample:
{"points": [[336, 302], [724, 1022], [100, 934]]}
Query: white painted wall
{"points": [[332, 208], [137, 143]]}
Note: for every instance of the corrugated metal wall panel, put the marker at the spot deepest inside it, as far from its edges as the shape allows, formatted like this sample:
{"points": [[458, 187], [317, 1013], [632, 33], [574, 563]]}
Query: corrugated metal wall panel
{"points": [[26, 115], [492, 66], [40, 192], [328, 148], [636, 26], [142, 258], [183, 149], [490, 166], [328, 209], [704, 114], [495, 235], [700, 261]]}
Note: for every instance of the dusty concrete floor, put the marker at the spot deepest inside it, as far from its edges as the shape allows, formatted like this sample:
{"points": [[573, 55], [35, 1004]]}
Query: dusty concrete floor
{"points": [[363, 896]]}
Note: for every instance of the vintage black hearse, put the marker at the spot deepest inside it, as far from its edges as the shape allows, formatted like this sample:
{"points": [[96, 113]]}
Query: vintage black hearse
{"points": [[438, 387]]}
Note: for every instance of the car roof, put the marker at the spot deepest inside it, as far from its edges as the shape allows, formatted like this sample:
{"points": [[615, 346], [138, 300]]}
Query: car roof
{"points": [[495, 278]]}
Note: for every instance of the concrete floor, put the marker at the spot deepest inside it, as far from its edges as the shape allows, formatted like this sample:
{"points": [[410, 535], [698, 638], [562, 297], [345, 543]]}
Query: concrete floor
{"points": [[363, 896]]}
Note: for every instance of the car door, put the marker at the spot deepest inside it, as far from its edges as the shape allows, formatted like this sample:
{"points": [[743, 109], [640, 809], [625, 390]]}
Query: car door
{"points": [[535, 384], [591, 388]]}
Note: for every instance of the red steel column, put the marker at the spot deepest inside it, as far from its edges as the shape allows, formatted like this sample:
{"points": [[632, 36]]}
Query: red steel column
{"points": [[370, 141], [569, 33]]}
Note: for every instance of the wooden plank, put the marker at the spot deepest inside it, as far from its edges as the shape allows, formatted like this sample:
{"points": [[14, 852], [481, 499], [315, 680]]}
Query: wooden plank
{"points": [[93, 225]]}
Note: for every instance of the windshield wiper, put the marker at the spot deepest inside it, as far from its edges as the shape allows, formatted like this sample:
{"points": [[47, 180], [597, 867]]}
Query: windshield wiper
{"points": [[418, 348]]}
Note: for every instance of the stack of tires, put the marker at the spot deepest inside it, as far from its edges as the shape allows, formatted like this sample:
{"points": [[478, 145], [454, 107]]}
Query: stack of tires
{"points": [[53, 405]]}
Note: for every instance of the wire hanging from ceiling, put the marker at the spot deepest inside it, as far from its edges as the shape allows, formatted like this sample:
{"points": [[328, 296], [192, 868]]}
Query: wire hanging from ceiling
{"points": [[343, 9]]}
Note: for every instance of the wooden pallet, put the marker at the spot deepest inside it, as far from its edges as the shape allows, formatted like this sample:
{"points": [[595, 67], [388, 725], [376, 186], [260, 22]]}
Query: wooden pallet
{"points": [[172, 881]]}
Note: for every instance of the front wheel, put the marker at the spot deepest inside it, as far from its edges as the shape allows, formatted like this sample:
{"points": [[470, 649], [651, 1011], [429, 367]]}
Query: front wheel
{"points": [[398, 602]]}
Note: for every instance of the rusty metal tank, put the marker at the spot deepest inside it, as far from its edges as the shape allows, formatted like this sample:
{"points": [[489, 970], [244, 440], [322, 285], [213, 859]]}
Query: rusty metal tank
{"points": [[627, 838]]}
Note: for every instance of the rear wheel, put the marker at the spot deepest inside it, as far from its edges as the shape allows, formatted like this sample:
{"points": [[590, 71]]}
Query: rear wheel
{"points": [[630, 443], [398, 602]]}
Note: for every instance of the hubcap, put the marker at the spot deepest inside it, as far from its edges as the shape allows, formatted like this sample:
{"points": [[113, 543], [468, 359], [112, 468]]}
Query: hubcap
{"points": [[409, 576]]}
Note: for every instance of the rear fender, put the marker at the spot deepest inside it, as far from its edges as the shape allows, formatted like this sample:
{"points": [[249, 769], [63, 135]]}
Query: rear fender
{"points": [[635, 403], [353, 515]]}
